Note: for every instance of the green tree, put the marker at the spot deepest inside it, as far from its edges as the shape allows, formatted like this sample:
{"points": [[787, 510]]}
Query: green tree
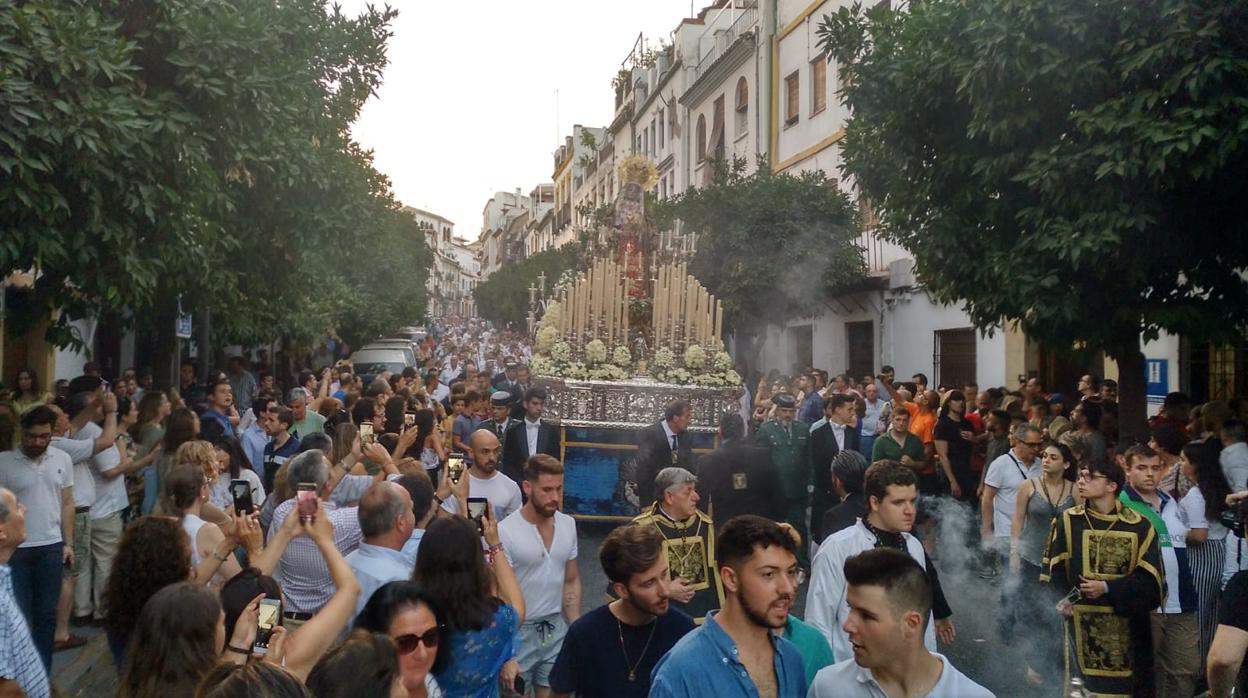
{"points": [[503, 298], [772, 246], [1075, 167], [200, 150]]}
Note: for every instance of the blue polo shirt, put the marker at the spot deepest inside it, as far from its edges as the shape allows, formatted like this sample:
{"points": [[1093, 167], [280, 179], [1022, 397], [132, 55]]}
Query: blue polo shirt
{"points": [[705, 663], [216, 416]]}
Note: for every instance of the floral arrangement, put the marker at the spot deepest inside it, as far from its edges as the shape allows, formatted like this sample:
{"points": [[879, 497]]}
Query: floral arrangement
{"points": [[723, 361], [622, 357], [595, 352], [695, 357], [664, 358], [546, 338]]}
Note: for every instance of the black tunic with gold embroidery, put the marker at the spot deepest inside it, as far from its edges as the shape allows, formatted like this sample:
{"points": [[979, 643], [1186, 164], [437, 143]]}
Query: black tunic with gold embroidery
{"points": [[1112, 640], [690, 549]]}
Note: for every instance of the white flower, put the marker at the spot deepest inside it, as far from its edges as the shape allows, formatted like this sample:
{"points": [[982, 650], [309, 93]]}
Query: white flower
{"points": [[561, 352], [723, 361], [695, 357], [664, 358], [621, 356], [732, 377], [551, 317], [595, 352], [540, 366], [546, 338]]}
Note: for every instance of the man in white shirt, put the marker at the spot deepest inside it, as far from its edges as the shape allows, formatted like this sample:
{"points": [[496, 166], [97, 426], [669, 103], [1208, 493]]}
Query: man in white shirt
{"points": [[1001, 482], [890, 604], [540, 542], [20, 663], [386, 522], [484, 478], [891, 490], [42, 478]]}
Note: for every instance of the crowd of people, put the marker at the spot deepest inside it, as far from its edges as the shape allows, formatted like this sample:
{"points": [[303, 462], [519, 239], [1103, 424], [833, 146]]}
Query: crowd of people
{"points": [[400, 534]]}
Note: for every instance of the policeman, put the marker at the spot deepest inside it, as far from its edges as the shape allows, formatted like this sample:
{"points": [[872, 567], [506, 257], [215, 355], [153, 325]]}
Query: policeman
{"points": [[789, 443]]}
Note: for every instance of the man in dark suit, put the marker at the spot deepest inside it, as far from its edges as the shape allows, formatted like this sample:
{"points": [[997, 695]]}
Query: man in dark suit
{"points": [[828, 437], [849, 472], [663, 445], [529, 436], [500, 417], [739, 477]]}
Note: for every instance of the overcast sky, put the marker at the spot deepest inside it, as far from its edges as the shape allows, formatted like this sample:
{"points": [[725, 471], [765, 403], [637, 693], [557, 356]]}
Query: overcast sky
{"points": [[468, 103]]}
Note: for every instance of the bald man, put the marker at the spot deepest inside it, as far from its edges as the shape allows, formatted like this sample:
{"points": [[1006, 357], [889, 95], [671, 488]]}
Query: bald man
{"points": [[386, 522], [485, 480]]}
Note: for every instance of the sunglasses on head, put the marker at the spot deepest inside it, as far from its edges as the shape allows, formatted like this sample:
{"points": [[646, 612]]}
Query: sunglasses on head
{"points": [[406, 644]]}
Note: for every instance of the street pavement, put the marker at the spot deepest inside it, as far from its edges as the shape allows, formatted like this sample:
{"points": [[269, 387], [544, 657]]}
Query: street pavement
{"points": [[87, 672]]}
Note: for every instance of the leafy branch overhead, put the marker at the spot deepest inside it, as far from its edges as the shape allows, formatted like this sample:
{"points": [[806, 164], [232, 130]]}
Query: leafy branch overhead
{"points": [[1077, 167], [199, 149]]}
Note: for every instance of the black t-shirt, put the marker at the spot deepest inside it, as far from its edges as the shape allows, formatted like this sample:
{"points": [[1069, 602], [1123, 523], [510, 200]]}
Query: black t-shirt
{"points": [[592, 664], [959, 448], [1233, 611]]}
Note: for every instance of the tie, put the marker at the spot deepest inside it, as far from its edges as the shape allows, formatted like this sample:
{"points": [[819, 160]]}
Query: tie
{"points": [[675, 448]]}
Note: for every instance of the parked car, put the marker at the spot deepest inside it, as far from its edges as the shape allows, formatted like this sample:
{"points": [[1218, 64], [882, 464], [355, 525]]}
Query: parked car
{"points": [[374, 358], [399, 342]]}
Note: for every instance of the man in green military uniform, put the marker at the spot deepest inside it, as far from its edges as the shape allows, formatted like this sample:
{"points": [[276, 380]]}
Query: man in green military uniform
{"points": [[789, 443]]}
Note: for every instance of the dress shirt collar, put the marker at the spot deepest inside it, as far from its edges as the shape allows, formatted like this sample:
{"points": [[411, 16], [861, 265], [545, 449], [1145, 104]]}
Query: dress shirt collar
{"points": [[819, 423], [667, 430], [531, 425], [381, 553]]}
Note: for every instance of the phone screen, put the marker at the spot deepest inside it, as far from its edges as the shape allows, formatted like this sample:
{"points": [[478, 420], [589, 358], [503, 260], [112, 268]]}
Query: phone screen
{"points": [[267, 620], [477, 510], [241, 491], [306, 499], [366, 433], [409, 420], [455, 467]]}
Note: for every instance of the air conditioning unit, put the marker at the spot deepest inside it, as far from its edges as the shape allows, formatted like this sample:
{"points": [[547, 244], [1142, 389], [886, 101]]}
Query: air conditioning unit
{"points": [[900, 274]]}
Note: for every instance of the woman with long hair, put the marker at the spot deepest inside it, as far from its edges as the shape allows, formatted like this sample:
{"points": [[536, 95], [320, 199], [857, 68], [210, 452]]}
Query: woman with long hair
{"points": [[187, 491], [395, 408], [181, 426], [481, 627], [1040, 501], [366, 664], [251, 680], [232, 464], [1206, 536], [154, 552], [408, 615], [29, 393], [432, 452]]}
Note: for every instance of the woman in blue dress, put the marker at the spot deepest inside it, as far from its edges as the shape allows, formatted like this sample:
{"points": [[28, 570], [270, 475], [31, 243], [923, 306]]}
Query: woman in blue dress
{"points": [[479, 601]]}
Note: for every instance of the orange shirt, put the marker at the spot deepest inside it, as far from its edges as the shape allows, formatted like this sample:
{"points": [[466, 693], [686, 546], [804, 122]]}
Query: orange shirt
{"points": [[923, 425]]}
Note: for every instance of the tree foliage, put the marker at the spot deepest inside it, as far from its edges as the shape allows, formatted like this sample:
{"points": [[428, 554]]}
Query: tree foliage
{"points": [[772, 246], [503, 298], [1076, 167], [199, 149]]}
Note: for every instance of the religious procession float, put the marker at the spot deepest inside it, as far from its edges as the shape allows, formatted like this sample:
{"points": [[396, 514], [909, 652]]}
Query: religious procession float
{"points": [[628, 334]]}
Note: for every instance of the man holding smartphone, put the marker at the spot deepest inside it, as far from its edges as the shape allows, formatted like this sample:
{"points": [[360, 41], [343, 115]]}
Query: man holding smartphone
{"points": [[484, 478]]}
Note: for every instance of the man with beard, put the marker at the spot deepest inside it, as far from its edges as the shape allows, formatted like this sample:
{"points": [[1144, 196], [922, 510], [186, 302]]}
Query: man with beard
{"points": [[737, 651], [890, 489], [540, 542], [890, 606], [484, 479], [611, 651], [689, 542], [42, 479]]}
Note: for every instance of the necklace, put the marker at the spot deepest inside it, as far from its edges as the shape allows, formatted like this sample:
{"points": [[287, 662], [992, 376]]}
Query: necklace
{"points": [[1045, 486], [632, 668], [680, 562], [1099, 539]]}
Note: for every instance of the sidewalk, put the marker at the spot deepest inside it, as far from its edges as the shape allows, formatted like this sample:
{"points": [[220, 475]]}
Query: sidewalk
{"points": [[85, 672]]}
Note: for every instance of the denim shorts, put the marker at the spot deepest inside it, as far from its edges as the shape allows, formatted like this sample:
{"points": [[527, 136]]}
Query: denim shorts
{"points": [[540, 642]]}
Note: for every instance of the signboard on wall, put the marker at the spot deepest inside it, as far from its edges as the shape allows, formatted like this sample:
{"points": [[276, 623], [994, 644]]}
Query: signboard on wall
{"points": [[1157, 379], [182, 328]]}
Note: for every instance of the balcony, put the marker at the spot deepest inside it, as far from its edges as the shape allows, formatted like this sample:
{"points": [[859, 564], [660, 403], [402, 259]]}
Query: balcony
{"points": [[878, 254], [722, 40]]}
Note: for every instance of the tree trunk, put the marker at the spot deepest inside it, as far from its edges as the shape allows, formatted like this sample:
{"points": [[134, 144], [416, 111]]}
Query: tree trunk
{"points": [[167, 349], [1132, 391]]}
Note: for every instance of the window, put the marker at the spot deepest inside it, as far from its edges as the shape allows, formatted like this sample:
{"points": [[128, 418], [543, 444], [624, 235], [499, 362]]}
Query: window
{"points": [[790, 99], [818, 85], [866, 213], [701, 138], [860, 341], [742, 107], [953, 360], [654, 143], [659, 124], [716, 144]]}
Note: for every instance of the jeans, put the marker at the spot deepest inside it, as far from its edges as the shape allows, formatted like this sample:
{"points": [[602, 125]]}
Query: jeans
{"points": [[36, 586]]}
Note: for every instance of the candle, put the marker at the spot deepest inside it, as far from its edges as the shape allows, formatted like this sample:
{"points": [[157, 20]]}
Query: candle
{"points": [[719, 321]]}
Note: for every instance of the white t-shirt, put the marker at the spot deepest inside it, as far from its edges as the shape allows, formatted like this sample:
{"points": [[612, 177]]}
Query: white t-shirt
{"points": [[848, 680], [502, 491], [1177, 530], [38, 484], [1007, 473], [80, 448], [1193, 510], [539, 571], [110, 494]]}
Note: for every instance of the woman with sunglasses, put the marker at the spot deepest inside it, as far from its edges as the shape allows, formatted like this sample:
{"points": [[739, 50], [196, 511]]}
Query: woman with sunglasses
{"points": [[408, 615]]}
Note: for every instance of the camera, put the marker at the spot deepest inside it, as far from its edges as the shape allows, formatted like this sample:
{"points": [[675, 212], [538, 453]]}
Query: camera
{"points": [[1233, 517]]}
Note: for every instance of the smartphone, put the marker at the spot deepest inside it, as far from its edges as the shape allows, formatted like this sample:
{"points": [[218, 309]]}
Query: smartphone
{"points": [[455, 467], [305, 498], [409, 420], [366, 433], [477, 511], [241, 490], [269, 618]]}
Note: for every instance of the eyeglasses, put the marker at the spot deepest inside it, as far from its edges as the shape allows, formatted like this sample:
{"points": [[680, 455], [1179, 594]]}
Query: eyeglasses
{"points": [[1033, 444], [1089, 477], [407, 643]]}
